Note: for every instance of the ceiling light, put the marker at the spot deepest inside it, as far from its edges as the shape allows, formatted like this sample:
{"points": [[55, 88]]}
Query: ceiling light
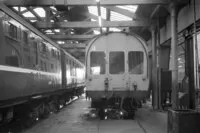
{"points": [[60, 42]]}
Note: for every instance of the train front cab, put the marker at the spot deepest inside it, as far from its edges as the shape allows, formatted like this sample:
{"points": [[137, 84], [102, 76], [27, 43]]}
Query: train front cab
{"points": [[117, 69]]}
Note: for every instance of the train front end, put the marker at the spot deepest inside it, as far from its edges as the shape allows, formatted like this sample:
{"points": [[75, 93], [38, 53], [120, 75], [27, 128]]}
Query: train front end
{"points": [[117, 68]]}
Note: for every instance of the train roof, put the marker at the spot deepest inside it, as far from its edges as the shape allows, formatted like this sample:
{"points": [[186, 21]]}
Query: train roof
{"points": [[91, 41]]}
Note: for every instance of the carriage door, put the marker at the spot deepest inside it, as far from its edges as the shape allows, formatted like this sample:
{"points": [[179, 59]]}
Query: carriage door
{"points": [[97, 70], [117, 75], [136, 69]]}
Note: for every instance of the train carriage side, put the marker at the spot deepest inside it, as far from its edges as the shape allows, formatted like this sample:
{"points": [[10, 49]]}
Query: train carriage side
{"points": [[31, 76], [29, 64], [73, 74], [117, 65]]}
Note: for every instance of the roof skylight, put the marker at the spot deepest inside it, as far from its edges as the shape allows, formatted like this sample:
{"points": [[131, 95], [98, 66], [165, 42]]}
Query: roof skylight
{"points": [[40, 11], [48, 31], [130, 8], [96, 32], [22, 8], [57, 30], [28, 14], [93, 20], [52, 7], [114, 15], [115, 29], [119, 17], [33, 21], [16, 8], [93, 10]]}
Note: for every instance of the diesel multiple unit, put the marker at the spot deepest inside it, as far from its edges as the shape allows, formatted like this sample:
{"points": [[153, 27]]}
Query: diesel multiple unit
{"points": [[117, 74]]}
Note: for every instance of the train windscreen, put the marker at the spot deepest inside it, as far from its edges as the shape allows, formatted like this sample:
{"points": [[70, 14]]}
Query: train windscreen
{"points": [[116, 62], [97, 63], [135, 59]]}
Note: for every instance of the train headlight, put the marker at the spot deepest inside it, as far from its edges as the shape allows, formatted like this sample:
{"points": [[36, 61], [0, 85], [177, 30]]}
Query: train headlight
{"points": [[121, 113], [106, 118], [93, 115], [105, 110]]}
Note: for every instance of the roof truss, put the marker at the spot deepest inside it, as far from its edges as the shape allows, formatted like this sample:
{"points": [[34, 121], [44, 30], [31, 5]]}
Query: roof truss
{"points": [[81, 2]]}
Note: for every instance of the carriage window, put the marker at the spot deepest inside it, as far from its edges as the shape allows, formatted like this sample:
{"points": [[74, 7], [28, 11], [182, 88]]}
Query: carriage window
{"points": [[12, 61], [136, 60], [116, 62], [44, 47], [13, 31], [97, 63], [25, 37]]}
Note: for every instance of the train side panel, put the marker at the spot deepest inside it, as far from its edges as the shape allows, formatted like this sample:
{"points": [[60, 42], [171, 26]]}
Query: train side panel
{"points": [[29, 65]]}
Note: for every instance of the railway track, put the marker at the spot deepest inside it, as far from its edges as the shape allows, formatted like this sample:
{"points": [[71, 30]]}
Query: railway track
{"points": [[18, 125]]}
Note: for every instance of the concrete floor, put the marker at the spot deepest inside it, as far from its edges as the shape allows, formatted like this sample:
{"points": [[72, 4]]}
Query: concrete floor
{"points": [[74, 119]]}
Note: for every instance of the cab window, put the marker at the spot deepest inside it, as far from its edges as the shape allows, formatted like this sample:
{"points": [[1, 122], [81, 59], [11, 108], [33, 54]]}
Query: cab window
{"points": [[97, 63], [135, 59], [116, 62]]}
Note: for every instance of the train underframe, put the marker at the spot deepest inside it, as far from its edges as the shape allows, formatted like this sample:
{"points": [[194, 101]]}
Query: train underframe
{"points": [[31, 109], [117, 105]]}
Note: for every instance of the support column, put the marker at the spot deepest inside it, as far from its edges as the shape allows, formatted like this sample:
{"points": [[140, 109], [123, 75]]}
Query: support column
{"points": [[154, 69], [174, 55], [48, 14], [158, 66]]}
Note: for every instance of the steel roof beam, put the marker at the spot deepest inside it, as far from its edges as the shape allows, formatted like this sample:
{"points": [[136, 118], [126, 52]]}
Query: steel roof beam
{"points": [[83, 2], [71, 37], [77, 24], [34, 13], [156, 9], [76, 45], [107, 18]]}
